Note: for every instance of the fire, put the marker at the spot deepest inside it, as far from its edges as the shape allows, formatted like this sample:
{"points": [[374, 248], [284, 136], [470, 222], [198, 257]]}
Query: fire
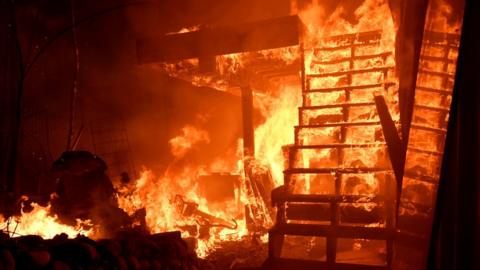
{"points": [[172, 200], [180, 145], [167, 197], [332, 58], [279, 108], [276, 131], [40, 222], [432, 99], [442, 13]]}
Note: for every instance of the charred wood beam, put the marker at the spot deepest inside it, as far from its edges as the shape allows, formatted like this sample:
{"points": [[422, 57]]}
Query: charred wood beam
{"points": [[247, 118], [190, 209], [410, 16], [395, 146], [261, 35]]}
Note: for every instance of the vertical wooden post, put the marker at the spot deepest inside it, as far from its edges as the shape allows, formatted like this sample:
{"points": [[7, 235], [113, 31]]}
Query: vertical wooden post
{"points": [[407, 54], [247, 118], [395, 146]]}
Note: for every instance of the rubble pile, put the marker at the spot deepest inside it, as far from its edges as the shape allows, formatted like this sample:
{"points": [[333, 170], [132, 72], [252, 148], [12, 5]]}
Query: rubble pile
{"points": [[127, 250]]}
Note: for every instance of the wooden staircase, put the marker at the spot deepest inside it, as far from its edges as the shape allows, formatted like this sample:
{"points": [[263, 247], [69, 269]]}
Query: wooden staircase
{"points": [[336, 207]]}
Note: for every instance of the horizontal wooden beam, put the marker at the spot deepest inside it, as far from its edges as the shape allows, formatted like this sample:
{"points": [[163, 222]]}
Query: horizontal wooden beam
{"points": [[339, 231], [295, 264], [255, 36]]}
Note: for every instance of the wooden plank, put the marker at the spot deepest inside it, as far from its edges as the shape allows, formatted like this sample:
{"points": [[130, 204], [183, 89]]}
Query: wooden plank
{"points": [[255, 36], [347, 59], [331, 198], [424, 178], [340, 231], [310, 211], [427, 128], [341, 124], [436, 73], [333, 170], [339, 105], [428, 152], [430, 108], [349, 88], [348, 72], [437, 59], [395, 145], [338, 145], [295, 264], [433, 90], [247, 118]]}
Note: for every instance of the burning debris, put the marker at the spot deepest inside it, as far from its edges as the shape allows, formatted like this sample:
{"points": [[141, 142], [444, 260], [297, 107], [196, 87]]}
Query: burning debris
{"points": [[203, 219]]}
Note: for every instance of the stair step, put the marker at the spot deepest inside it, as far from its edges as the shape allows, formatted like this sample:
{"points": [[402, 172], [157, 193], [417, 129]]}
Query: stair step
{"points": [[338, 231], [338, 145], [421, 177], [348, 59], [431, 108], [316, 198], [428, 128], [350, 87], [295, 264], [348, 72], [358, 39], [433, 90], [338, 105], [339, 132], [334, 170], [437, 59], [428, 152], [337, 157], [334, 113], [436, 73], [341, 124]]}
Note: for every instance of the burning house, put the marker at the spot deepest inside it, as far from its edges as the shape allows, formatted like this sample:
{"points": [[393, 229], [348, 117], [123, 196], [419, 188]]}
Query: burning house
{"points": [[272, 134]]}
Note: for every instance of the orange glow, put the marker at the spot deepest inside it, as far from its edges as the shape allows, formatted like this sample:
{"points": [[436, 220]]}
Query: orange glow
{"points": [[279, 108], [281, 115], [181, 144], [160, 196], [163, 196], [40, 222]]}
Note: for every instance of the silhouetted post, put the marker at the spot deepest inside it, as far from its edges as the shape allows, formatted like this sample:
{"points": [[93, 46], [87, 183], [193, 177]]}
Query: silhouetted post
{"points": [[247, 116]]}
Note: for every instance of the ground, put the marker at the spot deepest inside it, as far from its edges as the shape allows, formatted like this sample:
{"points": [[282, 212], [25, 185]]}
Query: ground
{"points": [[236, 254]]}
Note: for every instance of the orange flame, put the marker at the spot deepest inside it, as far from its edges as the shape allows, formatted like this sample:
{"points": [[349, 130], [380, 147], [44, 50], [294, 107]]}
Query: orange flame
{"points": [[40, 222], [181, 144]]}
